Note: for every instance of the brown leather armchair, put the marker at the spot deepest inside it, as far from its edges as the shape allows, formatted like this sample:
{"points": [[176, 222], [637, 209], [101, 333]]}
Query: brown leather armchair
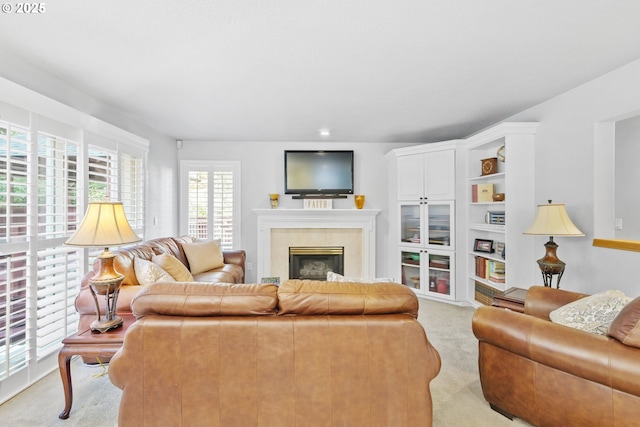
{"points": [[305, 353], [552, 375]]}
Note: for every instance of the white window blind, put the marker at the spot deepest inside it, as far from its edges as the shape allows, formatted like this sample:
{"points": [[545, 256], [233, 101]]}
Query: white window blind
{"points": [[57, 187], [210, 201], [15, 154], [59, 272], [103, 174], [48, 174], [132, 190], [223, 220]]}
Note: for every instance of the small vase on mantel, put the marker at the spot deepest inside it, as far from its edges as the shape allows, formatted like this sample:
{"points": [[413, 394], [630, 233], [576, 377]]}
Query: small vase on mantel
{"points": [[273, 197], [359, 201]]}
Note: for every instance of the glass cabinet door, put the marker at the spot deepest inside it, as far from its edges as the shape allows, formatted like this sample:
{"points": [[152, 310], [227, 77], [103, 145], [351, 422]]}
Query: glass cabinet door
{"points": [[411, 223], [410, 269], [439, 217], [439, 273]]}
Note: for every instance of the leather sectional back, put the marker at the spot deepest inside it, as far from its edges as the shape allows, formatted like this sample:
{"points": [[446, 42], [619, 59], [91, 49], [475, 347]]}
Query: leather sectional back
{"points": [[311, 297]]}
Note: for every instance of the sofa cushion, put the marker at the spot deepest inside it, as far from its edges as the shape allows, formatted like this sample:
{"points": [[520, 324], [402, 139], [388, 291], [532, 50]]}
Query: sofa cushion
{"points": [[148, 272], [335, 277], [205, 299], [591, 314], [203, 256], [174, 267], [311, 297], [626, 326]]}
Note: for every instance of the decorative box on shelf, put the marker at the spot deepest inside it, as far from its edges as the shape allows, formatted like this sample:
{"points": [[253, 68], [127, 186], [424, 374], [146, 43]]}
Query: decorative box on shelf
{"points": [[482, 193], [495, 218]]}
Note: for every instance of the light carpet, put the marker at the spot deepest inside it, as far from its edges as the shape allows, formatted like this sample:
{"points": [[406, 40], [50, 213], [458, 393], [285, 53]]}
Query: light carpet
{"points": [[456, 391]]}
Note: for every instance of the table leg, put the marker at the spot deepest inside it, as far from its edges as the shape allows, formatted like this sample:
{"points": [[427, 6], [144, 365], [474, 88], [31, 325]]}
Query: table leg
{"points": [[64, 364]]}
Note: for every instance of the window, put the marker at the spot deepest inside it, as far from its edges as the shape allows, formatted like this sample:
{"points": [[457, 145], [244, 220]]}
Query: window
{"points": [[39, 277], [49, 171], [210, 202]]}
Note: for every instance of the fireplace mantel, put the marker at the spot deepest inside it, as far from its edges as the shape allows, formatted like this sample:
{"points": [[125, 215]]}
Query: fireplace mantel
{"points": [[363, 219]]}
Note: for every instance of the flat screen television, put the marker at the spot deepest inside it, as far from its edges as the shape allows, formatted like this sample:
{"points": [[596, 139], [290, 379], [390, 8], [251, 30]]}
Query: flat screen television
{"points": [[320, 172]]}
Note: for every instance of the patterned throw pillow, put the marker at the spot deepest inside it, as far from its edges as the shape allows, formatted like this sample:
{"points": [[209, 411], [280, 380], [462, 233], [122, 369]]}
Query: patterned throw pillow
{"points": [[591, 314], [335, 277], [147, 272]]}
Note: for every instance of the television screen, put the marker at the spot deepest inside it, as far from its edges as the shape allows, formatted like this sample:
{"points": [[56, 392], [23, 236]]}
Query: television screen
{"points": [[318, 172]]}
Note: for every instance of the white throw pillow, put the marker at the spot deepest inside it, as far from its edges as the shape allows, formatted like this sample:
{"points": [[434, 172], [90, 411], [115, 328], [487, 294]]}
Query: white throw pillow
{"points": [[147, 272], [203, 256], [174, 267], [335, 277], [593, 313]]}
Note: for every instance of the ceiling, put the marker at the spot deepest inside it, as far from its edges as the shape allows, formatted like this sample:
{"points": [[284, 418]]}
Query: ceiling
{"points": [[369, 70]]}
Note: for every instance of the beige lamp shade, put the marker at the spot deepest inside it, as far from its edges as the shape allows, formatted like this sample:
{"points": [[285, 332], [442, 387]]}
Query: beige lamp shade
{"points": [[552, 220], [104, 224]]}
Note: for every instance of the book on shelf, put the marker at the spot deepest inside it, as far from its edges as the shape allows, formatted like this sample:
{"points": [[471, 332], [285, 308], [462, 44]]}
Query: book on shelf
{"points": [[481, 266], [496, 272], [481, 193], [490, 270]]}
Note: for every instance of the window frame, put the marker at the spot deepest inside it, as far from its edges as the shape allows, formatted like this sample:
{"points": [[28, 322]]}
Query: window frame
{"points": [[211, 166]]}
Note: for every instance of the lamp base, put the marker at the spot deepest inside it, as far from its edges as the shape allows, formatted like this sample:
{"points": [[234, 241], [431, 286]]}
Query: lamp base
{"points": [[103, 324], [106, 283], [550, 264]]}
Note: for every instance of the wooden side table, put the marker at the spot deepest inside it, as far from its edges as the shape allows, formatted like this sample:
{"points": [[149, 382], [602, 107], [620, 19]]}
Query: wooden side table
{"points": [[512, 298], [92, 344]]}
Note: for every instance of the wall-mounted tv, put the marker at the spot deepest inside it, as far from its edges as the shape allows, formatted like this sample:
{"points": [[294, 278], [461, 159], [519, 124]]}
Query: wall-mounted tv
{"points": [[320, 172]]}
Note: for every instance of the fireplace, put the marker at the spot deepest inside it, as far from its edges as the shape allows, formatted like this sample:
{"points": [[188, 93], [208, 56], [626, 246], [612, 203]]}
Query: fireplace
{"points": [[280, 229], [314, 262]]}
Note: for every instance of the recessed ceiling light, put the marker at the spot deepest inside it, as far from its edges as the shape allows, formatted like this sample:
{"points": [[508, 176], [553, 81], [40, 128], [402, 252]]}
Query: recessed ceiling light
{"points": [[324, 132]]}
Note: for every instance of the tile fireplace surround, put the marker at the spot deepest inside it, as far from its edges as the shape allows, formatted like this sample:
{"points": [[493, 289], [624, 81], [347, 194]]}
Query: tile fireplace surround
{"points": [[278, 229]]}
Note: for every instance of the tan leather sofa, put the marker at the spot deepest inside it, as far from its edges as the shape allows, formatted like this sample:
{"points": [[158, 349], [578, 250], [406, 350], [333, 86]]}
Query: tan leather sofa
{"points": [[231, 272], [552, 375], [303, 354]]}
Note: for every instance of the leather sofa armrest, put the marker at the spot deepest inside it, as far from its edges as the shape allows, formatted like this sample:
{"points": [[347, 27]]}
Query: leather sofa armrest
{"points": [[84, 302], [237, 257], [541, 300], [595, 357]]}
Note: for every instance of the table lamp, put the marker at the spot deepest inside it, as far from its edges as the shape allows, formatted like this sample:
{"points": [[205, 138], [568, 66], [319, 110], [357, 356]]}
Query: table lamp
{"points": [[552, 220], [104, 224]]}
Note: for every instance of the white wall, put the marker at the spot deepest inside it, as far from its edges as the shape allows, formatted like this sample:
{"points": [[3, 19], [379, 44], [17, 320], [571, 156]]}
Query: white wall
{"points": [[262, 165], [627, 177], [565, 164]]}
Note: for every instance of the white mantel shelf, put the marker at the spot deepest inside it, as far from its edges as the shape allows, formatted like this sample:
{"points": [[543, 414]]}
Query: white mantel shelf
{"points": [[364, 219]]}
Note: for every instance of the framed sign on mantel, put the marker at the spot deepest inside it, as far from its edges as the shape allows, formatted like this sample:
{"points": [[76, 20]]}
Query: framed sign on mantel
{"points": [[318, 204]]}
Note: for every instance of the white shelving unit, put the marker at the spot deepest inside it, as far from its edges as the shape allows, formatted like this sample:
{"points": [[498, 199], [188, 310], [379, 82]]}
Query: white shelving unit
{"points": [[423, 185], [515, 178]]}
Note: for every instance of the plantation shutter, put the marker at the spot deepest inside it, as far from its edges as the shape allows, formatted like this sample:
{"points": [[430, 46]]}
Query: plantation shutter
{"points": [[211, 202], [49, 170], [14, 261]]}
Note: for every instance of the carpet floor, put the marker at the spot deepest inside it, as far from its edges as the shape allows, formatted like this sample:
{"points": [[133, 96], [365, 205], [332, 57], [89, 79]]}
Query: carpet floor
{"points": [[456, 391]]}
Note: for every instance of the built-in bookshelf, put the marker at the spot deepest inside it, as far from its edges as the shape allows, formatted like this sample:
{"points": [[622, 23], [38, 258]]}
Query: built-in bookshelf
{"points": [[494, 226]]}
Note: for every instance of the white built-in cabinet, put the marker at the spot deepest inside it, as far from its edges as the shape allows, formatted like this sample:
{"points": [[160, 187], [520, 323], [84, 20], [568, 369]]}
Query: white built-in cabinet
{"points": [[440, 230], [430, 175], [424, 218]]}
